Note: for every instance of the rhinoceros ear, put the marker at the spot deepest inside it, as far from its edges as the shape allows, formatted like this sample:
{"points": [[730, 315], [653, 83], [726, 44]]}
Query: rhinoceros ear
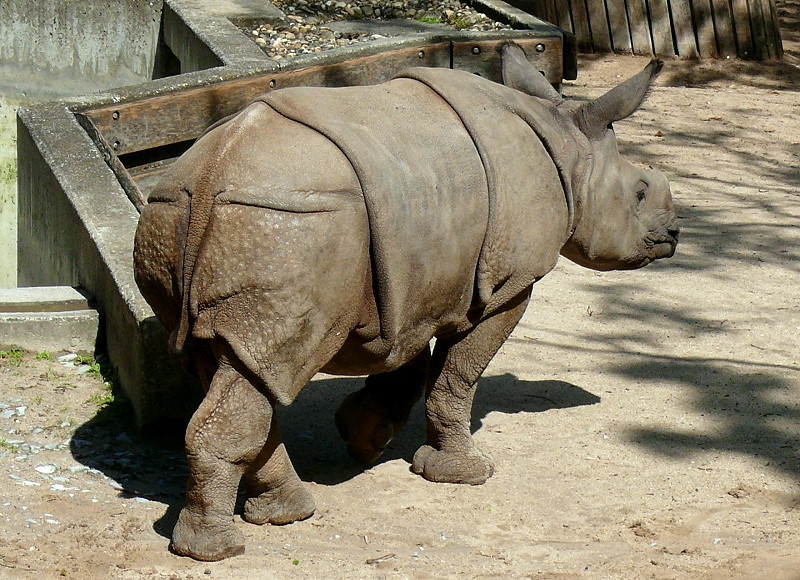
{"points": [[618, 103], [520, 74]]}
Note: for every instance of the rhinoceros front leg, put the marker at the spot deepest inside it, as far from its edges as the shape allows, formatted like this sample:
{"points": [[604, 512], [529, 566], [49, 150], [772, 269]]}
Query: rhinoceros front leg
{"points": [[450, 454], [232, 435], [369, 419]]}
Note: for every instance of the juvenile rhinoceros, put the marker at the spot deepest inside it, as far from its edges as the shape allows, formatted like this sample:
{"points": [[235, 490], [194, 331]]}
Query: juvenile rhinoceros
{"points": [[341, 229]]}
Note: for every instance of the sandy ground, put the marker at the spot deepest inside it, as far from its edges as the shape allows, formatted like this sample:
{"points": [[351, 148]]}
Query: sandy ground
{"points": [[644, 424]]}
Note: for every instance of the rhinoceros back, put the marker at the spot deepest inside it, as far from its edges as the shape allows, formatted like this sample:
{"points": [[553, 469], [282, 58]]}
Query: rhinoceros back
{"points": [[426, 196]]}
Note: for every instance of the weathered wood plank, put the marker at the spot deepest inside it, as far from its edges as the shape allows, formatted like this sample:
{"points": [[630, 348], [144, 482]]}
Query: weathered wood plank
{"points": [[741, 22], [564, 15], [776, 29], [618, 23], [551, 12], [184, 115], [598, 24], [760, 45], [723, 23], [771, 31], [684, 31], [580, 20], [483, 57], [640, 27], [661, 27], [704, 27]]}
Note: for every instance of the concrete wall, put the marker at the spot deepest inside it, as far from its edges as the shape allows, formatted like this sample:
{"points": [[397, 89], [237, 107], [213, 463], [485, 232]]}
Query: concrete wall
{"points": [[57, 47]]}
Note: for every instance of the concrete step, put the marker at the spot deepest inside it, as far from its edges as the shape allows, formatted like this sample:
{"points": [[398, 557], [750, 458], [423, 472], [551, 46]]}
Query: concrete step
{"points": [[47, 319]]}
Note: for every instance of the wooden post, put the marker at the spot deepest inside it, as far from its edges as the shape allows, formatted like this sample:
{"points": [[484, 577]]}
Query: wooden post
{"points": [[564, 15], [741, 21], [704, 26], [618, 23], [580, 19], [661, 27], [598, 23], [684, 30], [723, 22], [640, 27]]}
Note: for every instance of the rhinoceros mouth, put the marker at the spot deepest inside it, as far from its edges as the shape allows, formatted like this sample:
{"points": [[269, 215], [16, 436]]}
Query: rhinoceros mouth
{"points": [[664, 247]]}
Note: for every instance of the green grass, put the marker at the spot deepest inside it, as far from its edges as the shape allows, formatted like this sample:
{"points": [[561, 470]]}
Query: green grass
{"points": [[8, 146], [12, 357], [8, 192]]}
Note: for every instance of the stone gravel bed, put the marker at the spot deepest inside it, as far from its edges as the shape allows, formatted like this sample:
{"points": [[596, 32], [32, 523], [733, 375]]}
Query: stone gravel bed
{"points": [[310, 26], [65, 438]]}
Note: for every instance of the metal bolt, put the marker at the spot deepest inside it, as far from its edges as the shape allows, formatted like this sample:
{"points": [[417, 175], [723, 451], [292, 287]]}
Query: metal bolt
{"points": [[421, 54], [540, 47], [115, 115], [476, 50]]}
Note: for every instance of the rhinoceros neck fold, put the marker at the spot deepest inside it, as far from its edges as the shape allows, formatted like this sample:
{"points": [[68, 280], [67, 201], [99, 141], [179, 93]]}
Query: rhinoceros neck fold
{"points": [[534, 166]]}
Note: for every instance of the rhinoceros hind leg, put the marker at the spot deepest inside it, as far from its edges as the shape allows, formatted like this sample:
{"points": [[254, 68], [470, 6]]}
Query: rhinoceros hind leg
{"points": [[229, 437], [369, 419], [458, 362], [276, 494]]}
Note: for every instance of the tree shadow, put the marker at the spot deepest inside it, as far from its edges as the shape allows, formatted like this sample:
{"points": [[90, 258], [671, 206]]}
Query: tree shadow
{"points": [[749, 402], [153, 465]]}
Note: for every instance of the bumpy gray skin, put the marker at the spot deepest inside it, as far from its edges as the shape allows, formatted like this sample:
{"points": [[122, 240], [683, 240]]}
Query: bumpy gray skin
{"points": [[295, 238]]}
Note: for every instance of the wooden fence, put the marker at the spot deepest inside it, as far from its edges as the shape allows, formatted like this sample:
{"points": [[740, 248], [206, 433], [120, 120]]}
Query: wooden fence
{"points": [[686, 28]]}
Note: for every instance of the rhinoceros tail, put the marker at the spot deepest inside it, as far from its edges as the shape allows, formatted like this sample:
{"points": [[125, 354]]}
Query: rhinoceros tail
{"points": [[202, 196], [201, 204]]}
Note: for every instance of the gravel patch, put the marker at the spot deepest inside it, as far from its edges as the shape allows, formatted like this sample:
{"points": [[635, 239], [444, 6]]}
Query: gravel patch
{"points": [[313, 26]]}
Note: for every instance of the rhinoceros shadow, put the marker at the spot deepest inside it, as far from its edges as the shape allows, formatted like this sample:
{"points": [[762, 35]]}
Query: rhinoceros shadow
{"points": [[153, 466], [319, 455]]}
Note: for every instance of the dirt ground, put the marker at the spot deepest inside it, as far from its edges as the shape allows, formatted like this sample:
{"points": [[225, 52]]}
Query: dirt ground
{"points": [[644, 424]]}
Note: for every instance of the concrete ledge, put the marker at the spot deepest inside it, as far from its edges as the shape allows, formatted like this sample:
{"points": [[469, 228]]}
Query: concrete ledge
{"points": [[42, 299], [47, 319]]}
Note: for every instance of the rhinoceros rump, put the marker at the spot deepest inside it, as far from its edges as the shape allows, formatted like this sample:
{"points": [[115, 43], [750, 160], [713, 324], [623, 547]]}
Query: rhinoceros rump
{"points": [[343, 229]]}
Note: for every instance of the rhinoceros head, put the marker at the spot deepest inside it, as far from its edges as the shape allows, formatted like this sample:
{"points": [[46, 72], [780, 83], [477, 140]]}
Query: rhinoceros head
{"points": [[623, 215]]}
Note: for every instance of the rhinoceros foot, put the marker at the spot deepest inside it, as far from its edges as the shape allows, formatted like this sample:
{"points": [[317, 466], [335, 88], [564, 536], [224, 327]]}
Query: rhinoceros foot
{"points": [[289, 503], [365, 423], [471, 467], [207, 538]]}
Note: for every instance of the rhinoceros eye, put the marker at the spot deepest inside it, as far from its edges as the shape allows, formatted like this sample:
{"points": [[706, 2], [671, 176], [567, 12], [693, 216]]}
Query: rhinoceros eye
{"points": [[641, 192]]}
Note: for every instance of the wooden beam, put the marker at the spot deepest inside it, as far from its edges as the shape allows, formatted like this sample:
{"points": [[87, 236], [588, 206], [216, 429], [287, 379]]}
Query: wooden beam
{"points": [[183, 115]]}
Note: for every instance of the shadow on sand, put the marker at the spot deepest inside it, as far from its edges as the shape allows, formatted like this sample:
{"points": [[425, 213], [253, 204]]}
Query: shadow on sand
{"points": [[153, 466]]}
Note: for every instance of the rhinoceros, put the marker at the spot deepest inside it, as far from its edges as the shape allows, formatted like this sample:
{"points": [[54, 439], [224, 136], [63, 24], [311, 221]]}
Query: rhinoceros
{"points": [[343, 229]]}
